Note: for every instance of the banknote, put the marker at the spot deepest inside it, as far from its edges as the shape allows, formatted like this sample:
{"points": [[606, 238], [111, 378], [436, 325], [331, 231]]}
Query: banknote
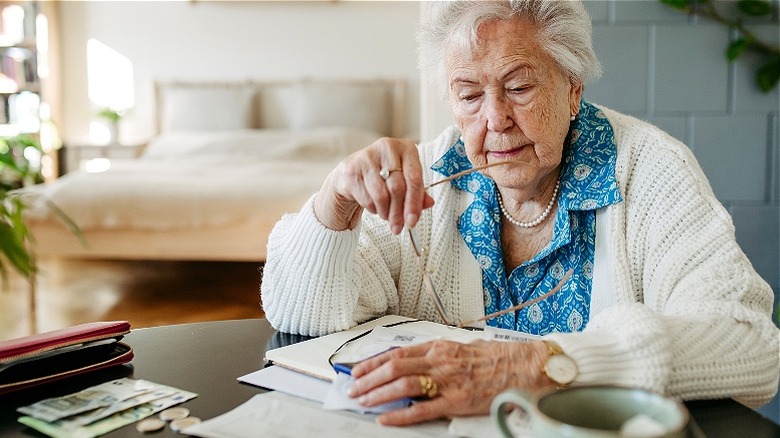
{"points": [[65, 429], [100, 413], [99, 396]]}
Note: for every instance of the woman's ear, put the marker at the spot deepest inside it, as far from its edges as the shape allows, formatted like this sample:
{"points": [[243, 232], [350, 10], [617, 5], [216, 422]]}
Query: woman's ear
{"points": [[575, 94]]}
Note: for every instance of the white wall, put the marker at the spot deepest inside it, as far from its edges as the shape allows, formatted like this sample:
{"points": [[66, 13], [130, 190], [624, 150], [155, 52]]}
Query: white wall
{"points": [[220, 40], [436, 113]]}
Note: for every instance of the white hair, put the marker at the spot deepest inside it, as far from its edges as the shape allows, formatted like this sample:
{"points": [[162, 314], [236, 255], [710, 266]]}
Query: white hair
{"points": [[564, 33]]}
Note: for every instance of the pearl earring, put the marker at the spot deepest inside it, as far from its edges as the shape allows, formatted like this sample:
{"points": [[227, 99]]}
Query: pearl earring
{"points": [[573, 116]]}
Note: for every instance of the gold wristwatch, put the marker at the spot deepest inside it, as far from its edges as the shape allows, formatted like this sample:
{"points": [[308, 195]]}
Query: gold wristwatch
{"points": [[559, 367]]}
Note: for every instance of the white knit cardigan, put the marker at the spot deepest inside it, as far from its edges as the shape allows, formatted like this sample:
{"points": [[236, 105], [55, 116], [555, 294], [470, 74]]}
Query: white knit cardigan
{"points": [[682, 313]]}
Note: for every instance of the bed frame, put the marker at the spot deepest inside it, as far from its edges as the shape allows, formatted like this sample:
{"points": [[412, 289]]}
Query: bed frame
{"points": [[238, 242]]}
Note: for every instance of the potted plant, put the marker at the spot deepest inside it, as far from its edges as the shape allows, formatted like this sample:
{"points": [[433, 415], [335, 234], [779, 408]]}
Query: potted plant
{"points": [[20, 166], [113, 117]]}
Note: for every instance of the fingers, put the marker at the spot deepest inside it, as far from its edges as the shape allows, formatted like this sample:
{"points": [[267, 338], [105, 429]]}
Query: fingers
{"points": [[406, 386], [417, 413], [398, 373], [397, 377], [415, 195], [392, 204], [385, 179], [402, 199], [372, 363]]}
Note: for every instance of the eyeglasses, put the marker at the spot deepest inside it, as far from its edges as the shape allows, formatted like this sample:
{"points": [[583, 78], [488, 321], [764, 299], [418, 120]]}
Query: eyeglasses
{"points": [[422, 255]]}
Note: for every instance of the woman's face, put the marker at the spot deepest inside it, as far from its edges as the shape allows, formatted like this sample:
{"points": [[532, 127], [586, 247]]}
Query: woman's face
{"points": [[513, 103]]}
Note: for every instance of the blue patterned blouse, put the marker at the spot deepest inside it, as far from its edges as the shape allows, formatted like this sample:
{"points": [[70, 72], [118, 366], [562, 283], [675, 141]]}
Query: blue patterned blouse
{"points": [[587, 183]]}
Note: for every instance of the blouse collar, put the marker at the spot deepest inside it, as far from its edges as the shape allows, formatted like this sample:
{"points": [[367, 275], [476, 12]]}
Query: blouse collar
{"points": [[588, 180]]}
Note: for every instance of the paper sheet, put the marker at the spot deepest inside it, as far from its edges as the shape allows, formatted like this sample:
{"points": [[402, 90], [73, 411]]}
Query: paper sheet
{"points": [[278, 415], [289, 382]]}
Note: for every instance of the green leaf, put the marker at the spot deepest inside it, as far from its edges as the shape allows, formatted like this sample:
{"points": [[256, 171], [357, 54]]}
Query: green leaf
{"points": [[768, 74], [754, 8], [736, 48], [15, 251], [110, 114], [677, 4], [8, 160]]}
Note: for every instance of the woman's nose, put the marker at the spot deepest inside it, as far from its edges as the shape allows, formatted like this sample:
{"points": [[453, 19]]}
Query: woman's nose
{"points": [[498, 113]]}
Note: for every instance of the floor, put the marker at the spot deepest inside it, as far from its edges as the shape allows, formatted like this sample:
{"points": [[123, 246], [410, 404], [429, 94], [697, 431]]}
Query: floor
{"points": [[146, 293]]}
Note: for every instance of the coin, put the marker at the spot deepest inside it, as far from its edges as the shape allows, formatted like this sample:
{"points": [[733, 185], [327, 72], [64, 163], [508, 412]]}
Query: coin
{"points": [[174, 414], [183, 423], [150, 425]]}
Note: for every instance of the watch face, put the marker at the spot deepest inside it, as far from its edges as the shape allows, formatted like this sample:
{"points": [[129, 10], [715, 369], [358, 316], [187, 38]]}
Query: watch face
{"points": [[561, 368]]}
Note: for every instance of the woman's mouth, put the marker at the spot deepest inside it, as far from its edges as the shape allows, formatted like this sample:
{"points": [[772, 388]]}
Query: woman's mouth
{"points": [[508, 153]]}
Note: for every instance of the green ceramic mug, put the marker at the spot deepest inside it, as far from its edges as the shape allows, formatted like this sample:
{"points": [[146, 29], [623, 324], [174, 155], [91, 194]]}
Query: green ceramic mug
{"points": [[594, 412]]}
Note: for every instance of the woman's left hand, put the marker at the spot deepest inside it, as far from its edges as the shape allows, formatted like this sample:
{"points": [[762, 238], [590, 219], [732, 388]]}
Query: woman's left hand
{"points": [[467, 377]]}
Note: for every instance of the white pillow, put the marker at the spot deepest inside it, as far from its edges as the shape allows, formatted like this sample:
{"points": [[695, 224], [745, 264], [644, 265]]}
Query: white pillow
{"points": [[207, 109], [360, 105], [278, 106], [260, 144]]}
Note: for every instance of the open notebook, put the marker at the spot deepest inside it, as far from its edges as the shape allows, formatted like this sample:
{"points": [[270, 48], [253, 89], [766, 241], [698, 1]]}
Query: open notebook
{"points": [[311, 357]]}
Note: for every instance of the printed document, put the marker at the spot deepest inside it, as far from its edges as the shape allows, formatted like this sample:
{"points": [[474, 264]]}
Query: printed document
{"points": [[278, 415]]}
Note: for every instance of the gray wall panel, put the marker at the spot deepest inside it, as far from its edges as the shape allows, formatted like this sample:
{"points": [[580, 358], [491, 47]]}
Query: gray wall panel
{"points": [[733, 153], [691, 73], [758, 231], [623, 53], [669, 68]]}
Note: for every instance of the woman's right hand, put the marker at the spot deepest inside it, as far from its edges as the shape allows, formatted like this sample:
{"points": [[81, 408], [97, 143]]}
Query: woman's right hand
{"points": [[357, 184]]}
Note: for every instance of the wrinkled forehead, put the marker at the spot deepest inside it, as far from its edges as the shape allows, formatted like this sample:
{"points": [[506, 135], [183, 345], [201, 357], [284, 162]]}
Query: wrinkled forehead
{"points": [[472, 41], [498, 45]]}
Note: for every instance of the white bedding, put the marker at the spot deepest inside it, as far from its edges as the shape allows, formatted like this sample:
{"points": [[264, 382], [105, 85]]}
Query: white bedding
{"points": [[190, 180]]}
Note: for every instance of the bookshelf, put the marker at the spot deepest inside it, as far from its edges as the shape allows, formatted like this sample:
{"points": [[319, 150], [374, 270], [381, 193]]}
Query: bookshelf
{"points": [[26, 100], [20, 89]]}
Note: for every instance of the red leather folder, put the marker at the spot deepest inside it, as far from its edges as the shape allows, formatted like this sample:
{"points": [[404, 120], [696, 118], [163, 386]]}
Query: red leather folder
{"points": [[44, 357]]}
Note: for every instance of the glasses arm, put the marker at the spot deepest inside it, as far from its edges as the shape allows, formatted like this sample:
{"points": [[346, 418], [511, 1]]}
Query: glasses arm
{"points": [[521, 305], [437, 302], [465, 172]]}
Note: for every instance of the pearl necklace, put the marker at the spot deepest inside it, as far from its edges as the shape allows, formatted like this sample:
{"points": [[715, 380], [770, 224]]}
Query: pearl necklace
{"points": [[536, 221]]}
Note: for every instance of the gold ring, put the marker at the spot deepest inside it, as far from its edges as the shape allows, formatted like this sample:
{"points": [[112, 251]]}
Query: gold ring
{"points": [[428, 386], [385, 173]]}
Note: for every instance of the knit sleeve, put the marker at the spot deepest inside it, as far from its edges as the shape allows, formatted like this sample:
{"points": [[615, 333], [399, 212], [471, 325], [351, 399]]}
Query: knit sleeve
{"points": [[694, 318], [318, 281], [684, 357]]}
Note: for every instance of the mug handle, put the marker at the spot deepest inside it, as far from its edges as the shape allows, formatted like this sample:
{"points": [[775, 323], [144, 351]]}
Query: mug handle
{"points": [[498, 410]]}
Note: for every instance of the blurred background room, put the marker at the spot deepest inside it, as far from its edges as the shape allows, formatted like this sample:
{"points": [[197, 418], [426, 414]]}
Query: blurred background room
{"points": [[100, 83]]}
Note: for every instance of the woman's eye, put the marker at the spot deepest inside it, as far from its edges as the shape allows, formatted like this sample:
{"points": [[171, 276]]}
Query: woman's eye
{"points": [[518, 89], [469, 97]]}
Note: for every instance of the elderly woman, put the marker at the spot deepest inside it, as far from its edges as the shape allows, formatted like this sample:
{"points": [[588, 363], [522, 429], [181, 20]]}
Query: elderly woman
{"points": [[660, 296]]}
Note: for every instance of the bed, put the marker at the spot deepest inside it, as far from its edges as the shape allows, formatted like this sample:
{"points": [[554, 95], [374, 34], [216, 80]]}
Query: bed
{"points": [[229, 159]]}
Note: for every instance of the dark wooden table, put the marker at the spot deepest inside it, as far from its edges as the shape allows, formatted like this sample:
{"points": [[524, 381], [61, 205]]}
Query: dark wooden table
{"points": [[207, 358]]}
